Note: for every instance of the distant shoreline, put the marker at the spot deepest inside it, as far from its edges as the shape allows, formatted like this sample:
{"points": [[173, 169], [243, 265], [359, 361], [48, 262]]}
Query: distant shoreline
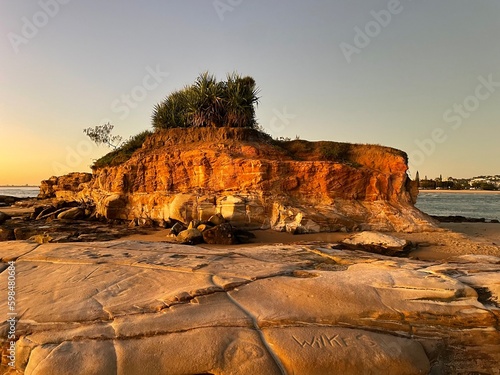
{"points": [[493, 192]]}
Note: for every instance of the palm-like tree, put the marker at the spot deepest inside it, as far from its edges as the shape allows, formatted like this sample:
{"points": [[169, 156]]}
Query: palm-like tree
{"points": [[210, 103], [241, 99]]}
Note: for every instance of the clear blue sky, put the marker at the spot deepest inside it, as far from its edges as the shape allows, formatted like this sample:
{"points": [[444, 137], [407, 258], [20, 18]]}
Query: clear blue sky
{"points": [[384, 72]]}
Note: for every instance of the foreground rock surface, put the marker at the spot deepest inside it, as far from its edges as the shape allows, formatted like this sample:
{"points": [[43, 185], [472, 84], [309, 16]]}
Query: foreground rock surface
{"points": [[126, 307]]}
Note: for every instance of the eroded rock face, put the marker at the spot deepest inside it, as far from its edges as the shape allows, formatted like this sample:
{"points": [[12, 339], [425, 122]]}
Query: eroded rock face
{"points": [[64, 187], [254, 182], [153, 308]]}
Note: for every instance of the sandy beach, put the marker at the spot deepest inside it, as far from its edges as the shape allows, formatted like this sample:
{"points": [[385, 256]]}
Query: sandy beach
{"points": [[453, 240]]}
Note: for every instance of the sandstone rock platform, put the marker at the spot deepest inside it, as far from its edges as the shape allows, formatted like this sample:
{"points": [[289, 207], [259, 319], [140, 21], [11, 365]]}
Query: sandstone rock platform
{"points": [[129, 307]]}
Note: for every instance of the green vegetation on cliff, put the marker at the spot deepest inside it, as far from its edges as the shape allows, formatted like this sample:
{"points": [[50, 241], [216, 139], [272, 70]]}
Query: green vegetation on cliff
{"points": [[122, 153]]}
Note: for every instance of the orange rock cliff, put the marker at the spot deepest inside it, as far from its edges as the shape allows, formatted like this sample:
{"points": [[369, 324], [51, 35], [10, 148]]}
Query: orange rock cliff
{"points": [[254, 182]]}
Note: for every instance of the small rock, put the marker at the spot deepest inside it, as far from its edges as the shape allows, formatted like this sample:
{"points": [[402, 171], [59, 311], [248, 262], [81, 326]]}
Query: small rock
{"points": [[221, 234], [4, 217], [216, 219], [243, 236], [194, 224], [133, 223], [41, 238], [164, 223], [190, 236], [168, 233], [145, 222], [177, 228], [376, 242], [203, 227], [74, 213], [6, 234]]}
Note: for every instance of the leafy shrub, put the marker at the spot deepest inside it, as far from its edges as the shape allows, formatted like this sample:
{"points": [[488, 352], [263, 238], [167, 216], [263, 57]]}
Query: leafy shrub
{"points": [[124, 152]]}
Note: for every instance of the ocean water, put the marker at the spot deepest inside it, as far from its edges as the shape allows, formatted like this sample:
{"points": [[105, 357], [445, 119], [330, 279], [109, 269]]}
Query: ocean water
{"points": [[20, 192], [460, 204]]}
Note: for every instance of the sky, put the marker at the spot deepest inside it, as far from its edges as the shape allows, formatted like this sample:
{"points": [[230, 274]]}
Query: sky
{"points": [[418, 75]]}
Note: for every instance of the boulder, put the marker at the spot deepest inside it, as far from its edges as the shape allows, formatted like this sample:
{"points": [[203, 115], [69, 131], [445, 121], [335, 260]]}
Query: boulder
{"points": [[203, 227], [43, 212], [74, 213], [376, 242], [4, 217], [190, 236], [194, 224], [8, 200], [51, 215], [23, 233], [177, 228], [243, 236], [216, 219], [222, 234]]}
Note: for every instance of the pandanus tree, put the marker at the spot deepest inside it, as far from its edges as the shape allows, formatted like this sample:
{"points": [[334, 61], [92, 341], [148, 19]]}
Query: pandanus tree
{"points": [[210, 103]]}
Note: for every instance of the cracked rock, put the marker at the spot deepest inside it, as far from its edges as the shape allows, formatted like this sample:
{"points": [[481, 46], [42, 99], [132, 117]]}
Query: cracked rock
{"points": [[153, 308]]}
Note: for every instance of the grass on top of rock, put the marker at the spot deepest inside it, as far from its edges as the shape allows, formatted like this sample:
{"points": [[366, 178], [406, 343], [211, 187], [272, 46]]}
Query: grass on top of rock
{"points": [[338, 152], [124, 152], [322, 150]]}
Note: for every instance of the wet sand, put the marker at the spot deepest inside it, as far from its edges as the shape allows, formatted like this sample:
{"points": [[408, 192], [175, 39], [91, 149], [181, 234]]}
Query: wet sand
{"points": [[453, 240]]}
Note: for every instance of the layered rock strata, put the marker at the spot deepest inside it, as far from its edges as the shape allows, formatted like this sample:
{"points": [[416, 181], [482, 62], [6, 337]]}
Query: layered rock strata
{"points": [[255, 182]]}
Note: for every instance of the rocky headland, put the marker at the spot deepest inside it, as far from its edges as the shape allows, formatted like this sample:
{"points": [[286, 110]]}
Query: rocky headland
{"points": [[254, 182]]}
